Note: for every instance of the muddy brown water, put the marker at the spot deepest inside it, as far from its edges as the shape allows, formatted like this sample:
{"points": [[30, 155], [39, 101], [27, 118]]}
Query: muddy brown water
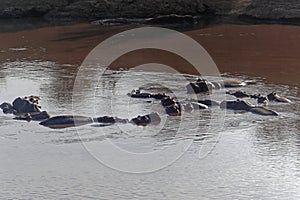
{"points": [[224, 154]]}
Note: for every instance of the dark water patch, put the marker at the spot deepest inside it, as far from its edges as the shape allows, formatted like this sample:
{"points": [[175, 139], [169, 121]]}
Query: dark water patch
{"points": [[16, 25]]}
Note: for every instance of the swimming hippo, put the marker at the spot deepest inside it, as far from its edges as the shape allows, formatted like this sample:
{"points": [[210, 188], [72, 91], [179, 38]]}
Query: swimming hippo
{"points": [[146, 95], [65, 121], [238, 94], [152, 118], [168, 101], [110, 120], [247, 106], [172, 106], [233, 84], [237, 105], [203, 85], [139, 94], [263, 111], [260, 99], [199, 86], [158, 96], [275, 97], [174, 110]]}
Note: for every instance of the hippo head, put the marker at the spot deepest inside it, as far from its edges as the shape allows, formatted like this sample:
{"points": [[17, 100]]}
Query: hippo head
{"points": [[174, 110], [24, 105], [168, 101]]}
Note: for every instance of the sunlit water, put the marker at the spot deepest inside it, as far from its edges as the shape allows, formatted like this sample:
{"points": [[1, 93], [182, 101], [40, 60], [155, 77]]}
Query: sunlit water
{"points": [[233, 155]]}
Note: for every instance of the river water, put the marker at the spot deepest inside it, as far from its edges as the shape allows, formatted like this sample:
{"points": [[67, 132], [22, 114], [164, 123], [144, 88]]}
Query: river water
{"points": [[208, 154]]}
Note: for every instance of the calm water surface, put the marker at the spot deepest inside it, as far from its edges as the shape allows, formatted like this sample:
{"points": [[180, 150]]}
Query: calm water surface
{"points": [[233, 155]]}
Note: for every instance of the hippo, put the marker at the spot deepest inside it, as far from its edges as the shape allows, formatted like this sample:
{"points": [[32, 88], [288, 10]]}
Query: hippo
{"points": [[145, 95], [233, 84], [26, 105], [238, 94], [247, 106], [260, 99], [174, 110], [172, 106], [65, 121], [168, 101], [275, 97], [152, 118], [158, 96], [139, 94], [200, 86], [110, 120], [263, 111], [22, 105], [26, 108], [237, 105]]}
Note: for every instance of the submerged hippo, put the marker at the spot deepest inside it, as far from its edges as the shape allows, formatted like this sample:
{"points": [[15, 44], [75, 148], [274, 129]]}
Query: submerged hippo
{"points": [[179, 108], [174, 110], [233, 84], [168, 101], [146, 95], [263, 111], [199, 86], [238, 94], [172, 106], [110, 120], [260, 99], [237, 105], [66, 121], [275, 97], [247, 106], [203, 85], [139, 94], [152, 118]]}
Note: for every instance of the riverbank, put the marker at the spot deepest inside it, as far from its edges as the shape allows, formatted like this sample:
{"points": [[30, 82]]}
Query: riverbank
{"points": [[74, 10], [267, 51]]}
